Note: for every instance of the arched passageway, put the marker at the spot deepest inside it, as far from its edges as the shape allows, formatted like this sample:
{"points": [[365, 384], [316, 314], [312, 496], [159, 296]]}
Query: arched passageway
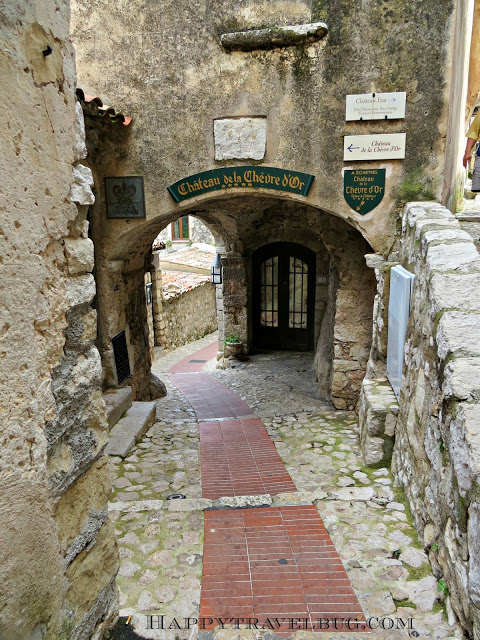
{"points": [[332, 289]]}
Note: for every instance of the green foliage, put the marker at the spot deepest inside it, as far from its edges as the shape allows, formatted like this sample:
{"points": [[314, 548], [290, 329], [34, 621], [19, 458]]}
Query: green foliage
{"points": [[168, 243], [232, 340], [442, 588], [434, 546]]}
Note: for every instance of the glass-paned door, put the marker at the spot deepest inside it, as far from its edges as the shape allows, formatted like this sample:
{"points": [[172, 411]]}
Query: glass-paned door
{"points": [[283, 295]]}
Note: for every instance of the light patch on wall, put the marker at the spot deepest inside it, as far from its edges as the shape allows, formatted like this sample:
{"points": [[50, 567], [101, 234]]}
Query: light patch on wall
{"points": [[240, 138]]}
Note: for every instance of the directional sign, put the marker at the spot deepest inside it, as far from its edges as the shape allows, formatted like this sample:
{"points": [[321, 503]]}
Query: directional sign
{"points": [[374, 146], [363, 189], [376, 106]]}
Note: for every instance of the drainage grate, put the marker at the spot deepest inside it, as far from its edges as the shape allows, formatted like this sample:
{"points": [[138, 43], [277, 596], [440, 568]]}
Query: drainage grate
{"points": [[198, 361]]}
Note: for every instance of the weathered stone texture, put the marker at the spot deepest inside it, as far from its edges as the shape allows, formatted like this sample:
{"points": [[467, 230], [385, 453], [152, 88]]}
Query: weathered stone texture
{"points": [[186, 317], [47, 330], [437, 447], [238, 138], [378, 412]]}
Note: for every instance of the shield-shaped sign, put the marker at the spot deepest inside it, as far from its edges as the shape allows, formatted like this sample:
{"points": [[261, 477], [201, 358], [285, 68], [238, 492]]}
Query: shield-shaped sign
{"points": [[363, 189]]}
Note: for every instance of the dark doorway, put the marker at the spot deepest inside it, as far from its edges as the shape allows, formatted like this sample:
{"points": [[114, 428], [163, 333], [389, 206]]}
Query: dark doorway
{"points": [[283, 297]]}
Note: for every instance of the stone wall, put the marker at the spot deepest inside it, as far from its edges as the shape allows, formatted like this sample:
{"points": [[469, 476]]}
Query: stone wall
{"points": [[59, 558], [198, 232], [436, 456], [187, 317]]}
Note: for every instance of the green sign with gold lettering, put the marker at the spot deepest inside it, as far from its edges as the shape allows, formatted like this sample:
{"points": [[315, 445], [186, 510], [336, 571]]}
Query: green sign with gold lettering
{"points": [[363, 189], [241, 178]]}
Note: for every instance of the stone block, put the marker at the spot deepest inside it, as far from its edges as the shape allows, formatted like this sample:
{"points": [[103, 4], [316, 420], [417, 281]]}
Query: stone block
{"points": [[81, 187], [464, 444], [79, 148], [238, 502], [131, 428], [462, 379], [80, 289], [240, 138], [157, 388], [458, 331], [117, 401], [474, 551], [79, 255], [460, 256], [455, 291]]}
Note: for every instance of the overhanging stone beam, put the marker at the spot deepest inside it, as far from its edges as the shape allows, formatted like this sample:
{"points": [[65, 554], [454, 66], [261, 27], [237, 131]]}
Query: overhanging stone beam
{"points": [[274, 37]]}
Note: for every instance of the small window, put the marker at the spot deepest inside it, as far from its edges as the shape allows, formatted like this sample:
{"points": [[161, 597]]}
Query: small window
{"points": [[180, 229]]}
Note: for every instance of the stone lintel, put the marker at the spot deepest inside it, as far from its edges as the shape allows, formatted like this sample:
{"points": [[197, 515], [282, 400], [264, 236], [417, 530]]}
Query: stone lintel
{"points": [[273, 37]]}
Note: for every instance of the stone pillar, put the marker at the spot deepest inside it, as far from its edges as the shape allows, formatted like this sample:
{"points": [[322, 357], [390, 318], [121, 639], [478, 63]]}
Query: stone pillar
{"points": [[220, 319], [235, 298], [158, 321], [151, 338], [137, 334], [352, 335]]}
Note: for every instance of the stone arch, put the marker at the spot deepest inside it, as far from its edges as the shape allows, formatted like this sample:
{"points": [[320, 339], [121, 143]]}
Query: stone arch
{"points": [[241, 223]]}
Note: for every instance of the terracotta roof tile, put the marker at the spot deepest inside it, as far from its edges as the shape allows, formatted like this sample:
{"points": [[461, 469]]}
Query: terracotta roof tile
{"points": [[93, 106], [174, 283]]}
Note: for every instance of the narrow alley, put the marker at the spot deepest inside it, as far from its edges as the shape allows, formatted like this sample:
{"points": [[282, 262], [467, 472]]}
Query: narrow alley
{"points": [[247, 501]]}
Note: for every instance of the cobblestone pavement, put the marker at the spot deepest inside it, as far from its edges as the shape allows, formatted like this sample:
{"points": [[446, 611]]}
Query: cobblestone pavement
{"points": [[161, 541]]}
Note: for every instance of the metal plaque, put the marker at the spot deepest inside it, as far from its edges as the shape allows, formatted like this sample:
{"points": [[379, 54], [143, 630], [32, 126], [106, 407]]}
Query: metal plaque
{"points": [[125, 197], [120, 353], [374, 146], [376, 106], [401, 287], [241, 178], [363, 189]]}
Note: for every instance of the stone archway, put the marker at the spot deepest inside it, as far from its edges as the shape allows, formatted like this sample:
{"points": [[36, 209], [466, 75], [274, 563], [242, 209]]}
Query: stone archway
{"points": [[345, 287]]}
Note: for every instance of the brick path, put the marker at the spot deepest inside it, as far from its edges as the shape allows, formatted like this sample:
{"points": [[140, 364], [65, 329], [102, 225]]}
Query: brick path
{"points": [[275, 563]]}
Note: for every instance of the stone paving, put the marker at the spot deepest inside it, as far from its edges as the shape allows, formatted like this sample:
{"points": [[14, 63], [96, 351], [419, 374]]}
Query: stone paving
{"points": [[161, 541]]}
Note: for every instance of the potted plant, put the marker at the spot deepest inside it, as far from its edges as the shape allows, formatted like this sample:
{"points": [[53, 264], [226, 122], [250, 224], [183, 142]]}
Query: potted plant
{"points": [[233, 346]]}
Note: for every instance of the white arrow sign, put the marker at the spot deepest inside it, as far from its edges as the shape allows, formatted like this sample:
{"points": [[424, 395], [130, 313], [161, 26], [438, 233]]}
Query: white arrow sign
{"points": [[376, 106], [375, 146]]}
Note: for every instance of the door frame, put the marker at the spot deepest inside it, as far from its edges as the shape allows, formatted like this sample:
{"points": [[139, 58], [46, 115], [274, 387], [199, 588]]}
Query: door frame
{"points": [[271, 338]]}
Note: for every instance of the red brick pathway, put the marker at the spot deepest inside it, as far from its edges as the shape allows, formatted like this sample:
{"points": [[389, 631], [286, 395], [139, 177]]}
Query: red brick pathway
{"points": [[277, 565], [209, 398], [246, 461], [187, 366]]}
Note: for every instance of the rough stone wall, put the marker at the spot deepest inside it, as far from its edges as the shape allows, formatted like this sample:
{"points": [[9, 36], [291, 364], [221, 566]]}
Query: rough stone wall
{"points": [[198, 232], [176, 60], [188, 316], [58, 553], [352, 334], [150, 322], [437, 448]]}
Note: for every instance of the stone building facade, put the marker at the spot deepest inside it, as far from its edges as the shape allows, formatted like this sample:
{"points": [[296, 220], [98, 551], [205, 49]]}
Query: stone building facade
{"points": [[279, 105]]}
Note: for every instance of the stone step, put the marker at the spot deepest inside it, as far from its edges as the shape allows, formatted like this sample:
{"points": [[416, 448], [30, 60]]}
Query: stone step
{"points": [[131, 428], [118, 402]]}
